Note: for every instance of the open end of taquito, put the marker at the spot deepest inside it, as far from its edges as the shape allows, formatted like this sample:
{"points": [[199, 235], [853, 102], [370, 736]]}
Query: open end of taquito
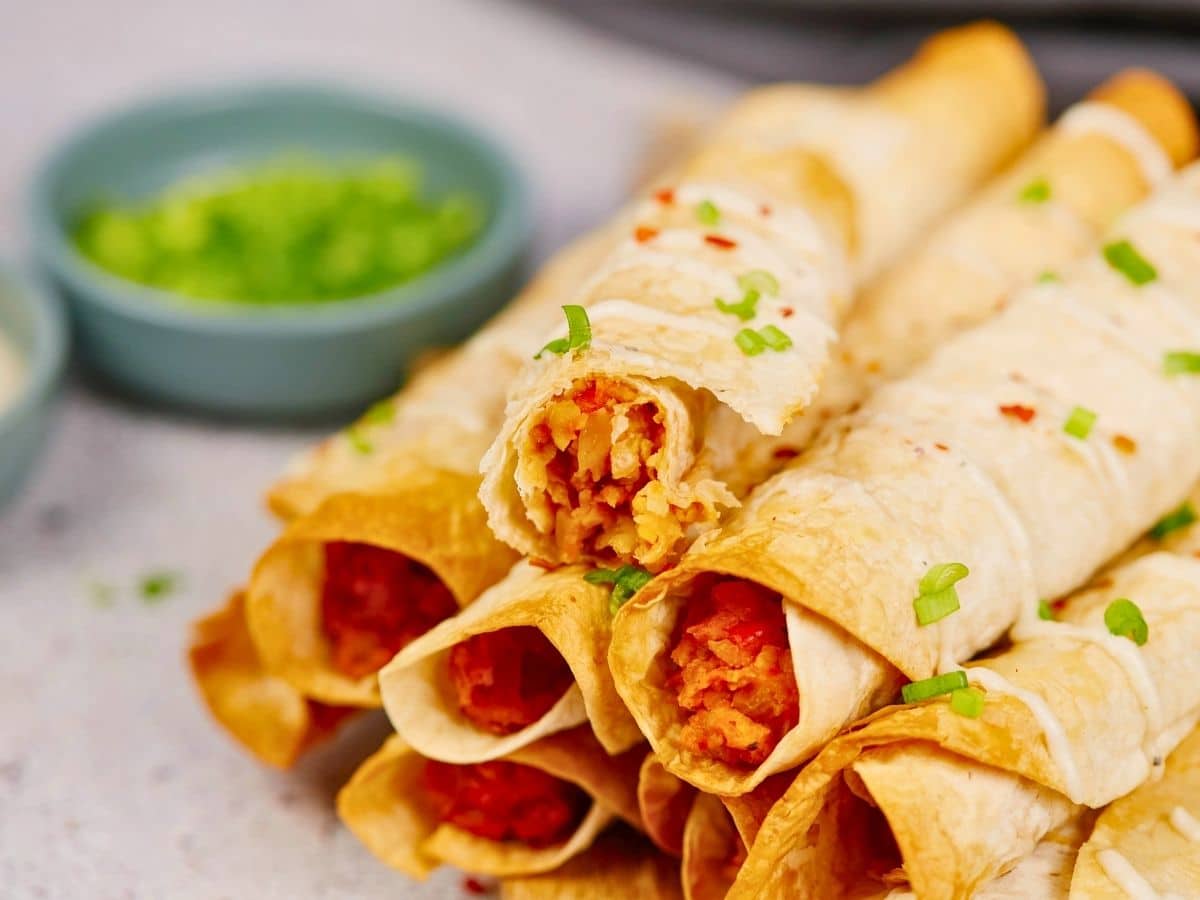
{"points": [[344, 589], [731, 684], [620, 864], [527, 813], [263, 712], [664, 802], [525, 660]]}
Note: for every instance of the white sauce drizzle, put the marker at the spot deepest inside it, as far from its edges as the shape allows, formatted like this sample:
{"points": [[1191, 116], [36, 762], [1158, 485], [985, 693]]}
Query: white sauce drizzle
{"points": [[1100, 118], [1185, 823], [1121, 872], [1055, 735]]}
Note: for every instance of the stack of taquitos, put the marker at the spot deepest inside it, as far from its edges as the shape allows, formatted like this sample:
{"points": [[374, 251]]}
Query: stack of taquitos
{"points": [[399, 533], [1025, 453]]}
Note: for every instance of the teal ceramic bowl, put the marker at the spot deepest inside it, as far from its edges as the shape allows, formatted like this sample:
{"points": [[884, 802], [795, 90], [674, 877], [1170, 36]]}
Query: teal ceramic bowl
{"points": [[32, 323], [284, 363]]}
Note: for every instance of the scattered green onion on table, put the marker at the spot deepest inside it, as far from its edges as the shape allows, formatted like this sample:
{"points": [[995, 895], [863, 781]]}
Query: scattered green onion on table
{"points": [[288, 231]]}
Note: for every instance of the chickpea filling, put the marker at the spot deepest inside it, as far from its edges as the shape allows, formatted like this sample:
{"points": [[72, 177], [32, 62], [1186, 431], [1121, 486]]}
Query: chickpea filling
{"points": [[374, 602], [505, 801], [599, 448], [730, 668], [506, 680]]}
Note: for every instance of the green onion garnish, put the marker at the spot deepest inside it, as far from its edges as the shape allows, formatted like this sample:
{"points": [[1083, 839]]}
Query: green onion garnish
{"points": [[936, 595], [916, 691], [1037, 191], [1180, 517], [1124, 619], [775, 339], [761, 281], [1079, 423], [750, 342], [155, 586], [579, 333], [1182, 362], [707, 213], [381, 413], [1045, 611], [1049, 277], [359, 441], [626, 581], [1123, 257], [746, 310], [967, 702]]}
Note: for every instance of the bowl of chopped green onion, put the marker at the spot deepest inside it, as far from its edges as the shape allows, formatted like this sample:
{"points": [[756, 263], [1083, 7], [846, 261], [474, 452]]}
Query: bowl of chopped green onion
{"points": [[276, 251]]}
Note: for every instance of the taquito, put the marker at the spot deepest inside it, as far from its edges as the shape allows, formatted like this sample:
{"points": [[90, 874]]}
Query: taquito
{"points": [[621, 864], [1147, 844], [527, 813], [664, 802], [1006, 469], [945, 796], [713, 320], [527, 659]]}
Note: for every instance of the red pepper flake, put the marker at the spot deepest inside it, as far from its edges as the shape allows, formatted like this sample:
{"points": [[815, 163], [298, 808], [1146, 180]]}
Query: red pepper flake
{"points": [[475, 886], [666, 196], [785, 452], [644, 233], [765, 210], [941, 446], [541, 563], [1017, 411], [716, 240], [787, 312], [1124, 444]]}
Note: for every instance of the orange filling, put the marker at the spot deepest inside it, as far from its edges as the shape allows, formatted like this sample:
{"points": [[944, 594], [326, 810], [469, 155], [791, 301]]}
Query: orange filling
{"points": [[731, 671], [505, 801], [507, 679], [374, 602], [600, 447]]}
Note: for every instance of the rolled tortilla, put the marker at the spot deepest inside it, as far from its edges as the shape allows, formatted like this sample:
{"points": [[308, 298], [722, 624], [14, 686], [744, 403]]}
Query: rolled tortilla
{"points": [[717, 833], [1073, 715], [387, 808], [1147, 844], [572, 617], [625, 450], [262, 712], [620, 864], [970, 461], [665, 803]]}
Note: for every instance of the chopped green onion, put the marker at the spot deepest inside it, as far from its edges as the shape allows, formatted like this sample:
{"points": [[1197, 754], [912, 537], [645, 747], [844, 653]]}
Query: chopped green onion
{"points": [[942, 576], [967, 702], [579, 333], [1079, 423], [1180, 517], [761, 281], [558, 345], [1182, 362], [381, 413], [1124, 619], [626, 581], [707, 213], [1049, 277], [1037, 191], [359, 441], [155, 586], [775, 339], [745, 310], [1124, 257], [1045, 611], [916, 691], [934, 607], [750, 342]]}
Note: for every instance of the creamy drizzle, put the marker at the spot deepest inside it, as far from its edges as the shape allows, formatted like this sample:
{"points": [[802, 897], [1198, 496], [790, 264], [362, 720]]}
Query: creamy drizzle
{"points": [[1122, 873], [1185, 823], [1100, 118], [1055, 735]]}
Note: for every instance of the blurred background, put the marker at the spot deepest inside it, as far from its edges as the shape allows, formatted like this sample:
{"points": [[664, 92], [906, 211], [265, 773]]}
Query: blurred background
{"points": [[126, 492]]}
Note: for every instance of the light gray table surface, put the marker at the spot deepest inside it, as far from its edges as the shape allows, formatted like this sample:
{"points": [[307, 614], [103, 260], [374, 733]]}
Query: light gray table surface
{"points": [[113, 783]]}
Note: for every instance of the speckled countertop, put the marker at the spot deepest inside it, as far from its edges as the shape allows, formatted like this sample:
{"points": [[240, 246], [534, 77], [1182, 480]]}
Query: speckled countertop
{"points": [[113, 783]]}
